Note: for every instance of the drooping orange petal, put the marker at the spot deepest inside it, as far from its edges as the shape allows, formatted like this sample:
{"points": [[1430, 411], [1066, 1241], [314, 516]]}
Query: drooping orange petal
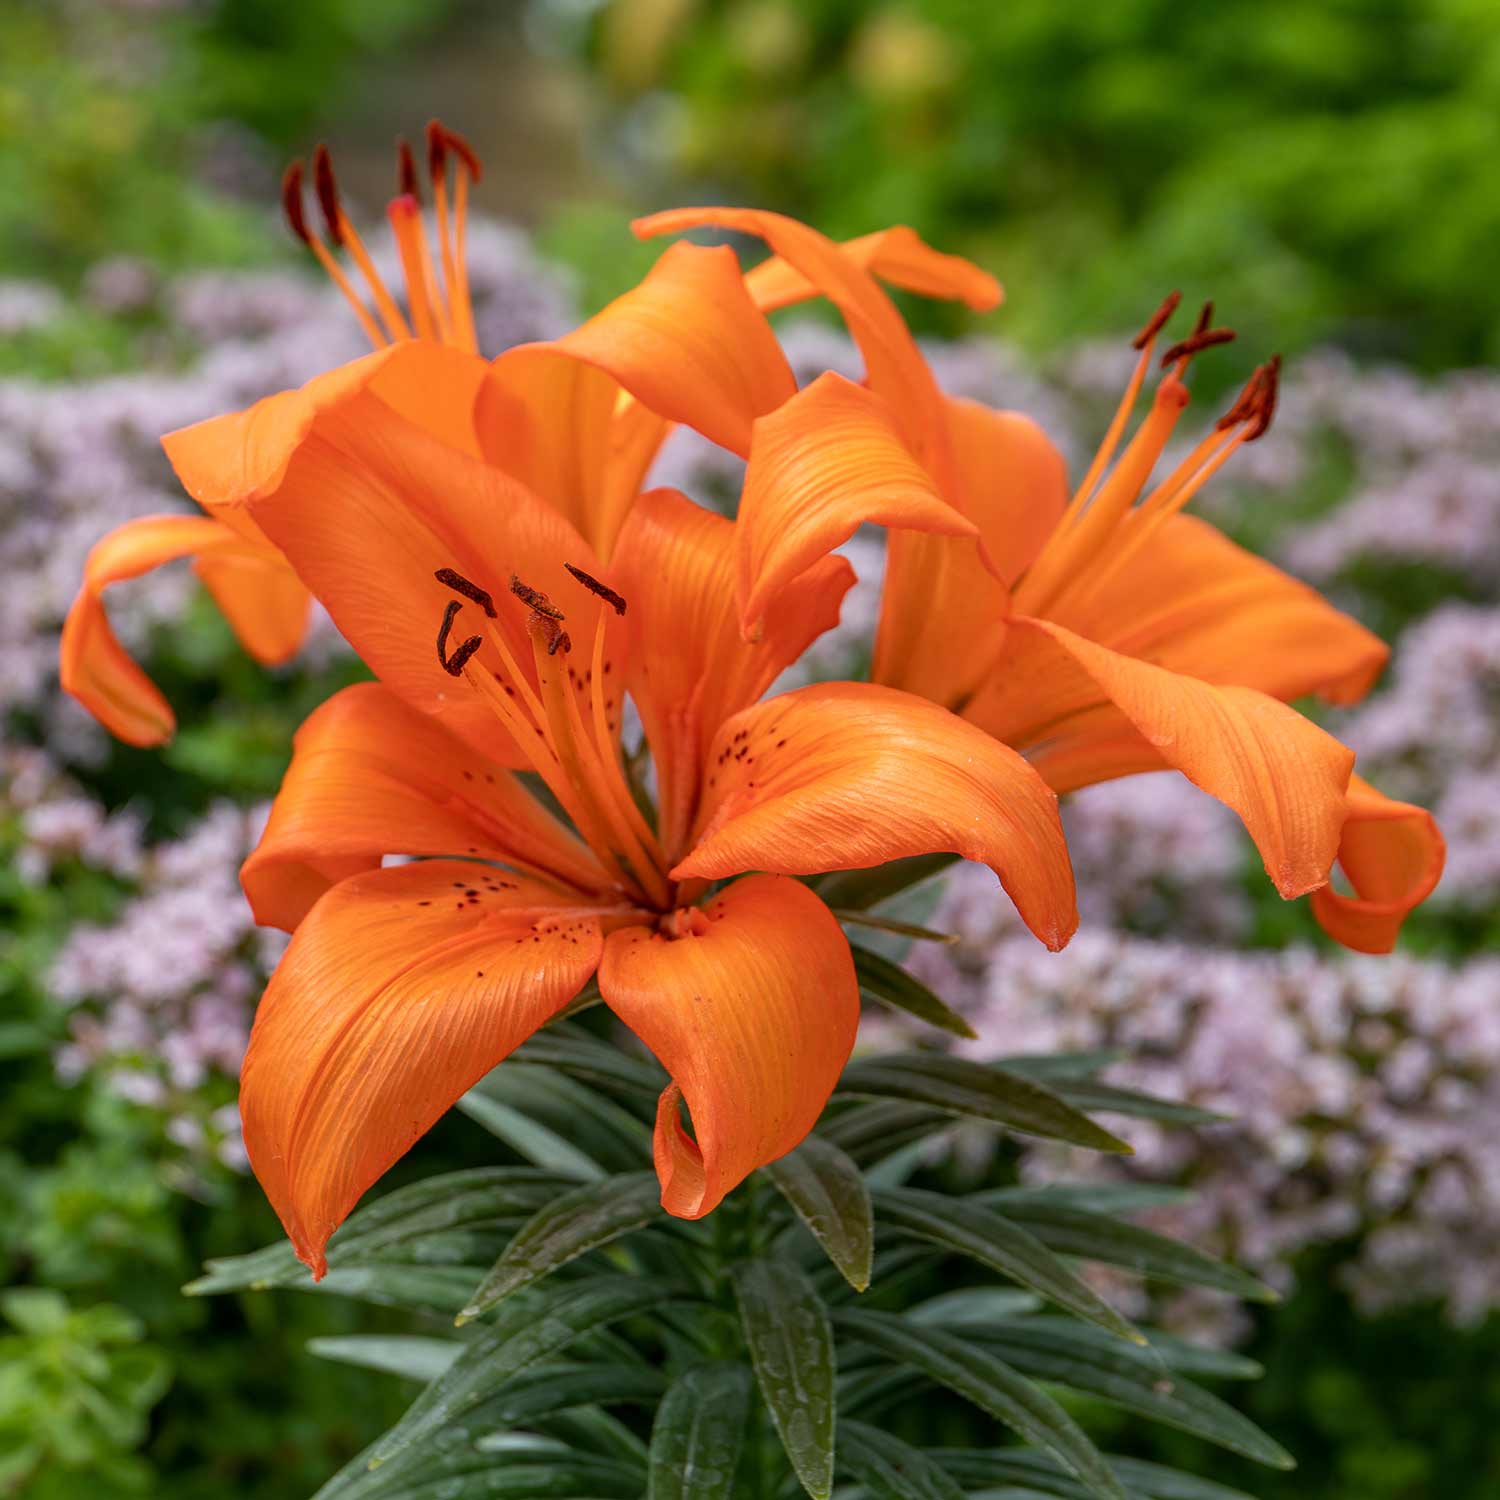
{"points": [[1193, 601], [95, 667], [822, 465], [845, 775], [942, 618], [897, 255], [263, 600], [1393, 854], [397, 994], [689, 667], [370, 777], [893, 364], [229, 460], [690, 344], [569, 433], [1283, 775], [753, 1012], [369, 508]]}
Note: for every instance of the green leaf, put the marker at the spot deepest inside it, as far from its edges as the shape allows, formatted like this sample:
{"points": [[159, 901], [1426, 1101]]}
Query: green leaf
{"points": [[581, 1220], [960, 1087], [964, 1227], [529, 1138], [1094, 1236], [527, 1332], [868, 1132], [442, 1289], [552, 1388], [1116, 1198], [890, 1469], [791, 1347], [407, 1355], [1068, 1075], [890, 983], [894, 927], [859, 890], [991, 1385], [973, 1304], [829, 1194], [698, 1433], [618, 1139], [1012, 1467], [1070, 1354], [573, 1051]]}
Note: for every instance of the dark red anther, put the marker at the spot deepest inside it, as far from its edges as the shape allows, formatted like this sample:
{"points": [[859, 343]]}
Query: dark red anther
{"points": [[1245, 403], [1158, 320], [1205, 318], [603, 590], [462, 149], [1267, 403], [461, 585], [328, 192], [1195, 343], [454, 665], [437, 150], [535, 599], [291, 201], [406, 171]]}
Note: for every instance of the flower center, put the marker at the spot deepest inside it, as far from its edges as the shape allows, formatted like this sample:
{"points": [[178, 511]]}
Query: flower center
{"points": [[562, 721]]}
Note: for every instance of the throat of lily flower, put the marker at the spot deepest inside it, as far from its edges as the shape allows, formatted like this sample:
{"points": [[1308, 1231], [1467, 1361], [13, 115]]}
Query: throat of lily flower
{"points": [[437, 289], [1107, 523], [576, 755]]}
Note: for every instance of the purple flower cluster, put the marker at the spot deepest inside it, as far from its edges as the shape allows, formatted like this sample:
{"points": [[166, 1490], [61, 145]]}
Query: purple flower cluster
{"points": [[1359, 1091]]}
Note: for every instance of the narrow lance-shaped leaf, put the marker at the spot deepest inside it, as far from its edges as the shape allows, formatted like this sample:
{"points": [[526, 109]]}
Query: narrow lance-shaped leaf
{"points": [[531, 1332], [1070, 1354], [960, 1087], [1093, 1236], [889, 1469], [991, 1385], [791, 1347], [526, 1137], [1010, 1468], [890, 983], [698, 1434], [829, 1194], [589, 1216], [967, 1229], [407, 1355]]}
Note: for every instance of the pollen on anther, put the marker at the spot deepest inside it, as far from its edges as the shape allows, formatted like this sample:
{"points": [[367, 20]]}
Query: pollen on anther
{"points": [[291, 202], [615, 601], [1158, 320], [326, 187]]}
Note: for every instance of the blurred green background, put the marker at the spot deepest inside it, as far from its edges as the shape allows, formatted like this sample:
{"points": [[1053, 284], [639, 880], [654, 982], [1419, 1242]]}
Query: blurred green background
{"points": [[1326, 169]]}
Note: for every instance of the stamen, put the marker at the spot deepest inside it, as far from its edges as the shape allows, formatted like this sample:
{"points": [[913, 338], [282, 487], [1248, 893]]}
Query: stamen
{"points": [[291, 204], [342, 232], [1246, 403], [461, 585], [1269, 390], [592, 584], [1158, 320], [440, 142], [405, 216], [407, 183], [1200, 339], [454, 665], [535, 599]]}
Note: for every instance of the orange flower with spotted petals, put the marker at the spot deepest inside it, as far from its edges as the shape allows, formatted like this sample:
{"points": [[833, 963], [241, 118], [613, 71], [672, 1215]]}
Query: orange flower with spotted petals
{"points": [[1102, 634], [504, 643]]}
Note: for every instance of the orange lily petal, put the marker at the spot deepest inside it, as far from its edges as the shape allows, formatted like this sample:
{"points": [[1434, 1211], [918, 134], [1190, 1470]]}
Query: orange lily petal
{"points": [[569, 433], [690, 344], [370, 507], [893, 364], [371, 776], [229, 460], [1196, 602], [95, 667], [263, 600], [753, 1011], [1393, 854], [689, 667], [1283, 775], [897, 255], [396, 995], [1013, 484], [821, 466], [845, 775]]}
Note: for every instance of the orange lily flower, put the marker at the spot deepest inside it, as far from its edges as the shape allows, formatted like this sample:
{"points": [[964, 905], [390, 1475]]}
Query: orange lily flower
{"points": [[1102, 634], [402, 986]]}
